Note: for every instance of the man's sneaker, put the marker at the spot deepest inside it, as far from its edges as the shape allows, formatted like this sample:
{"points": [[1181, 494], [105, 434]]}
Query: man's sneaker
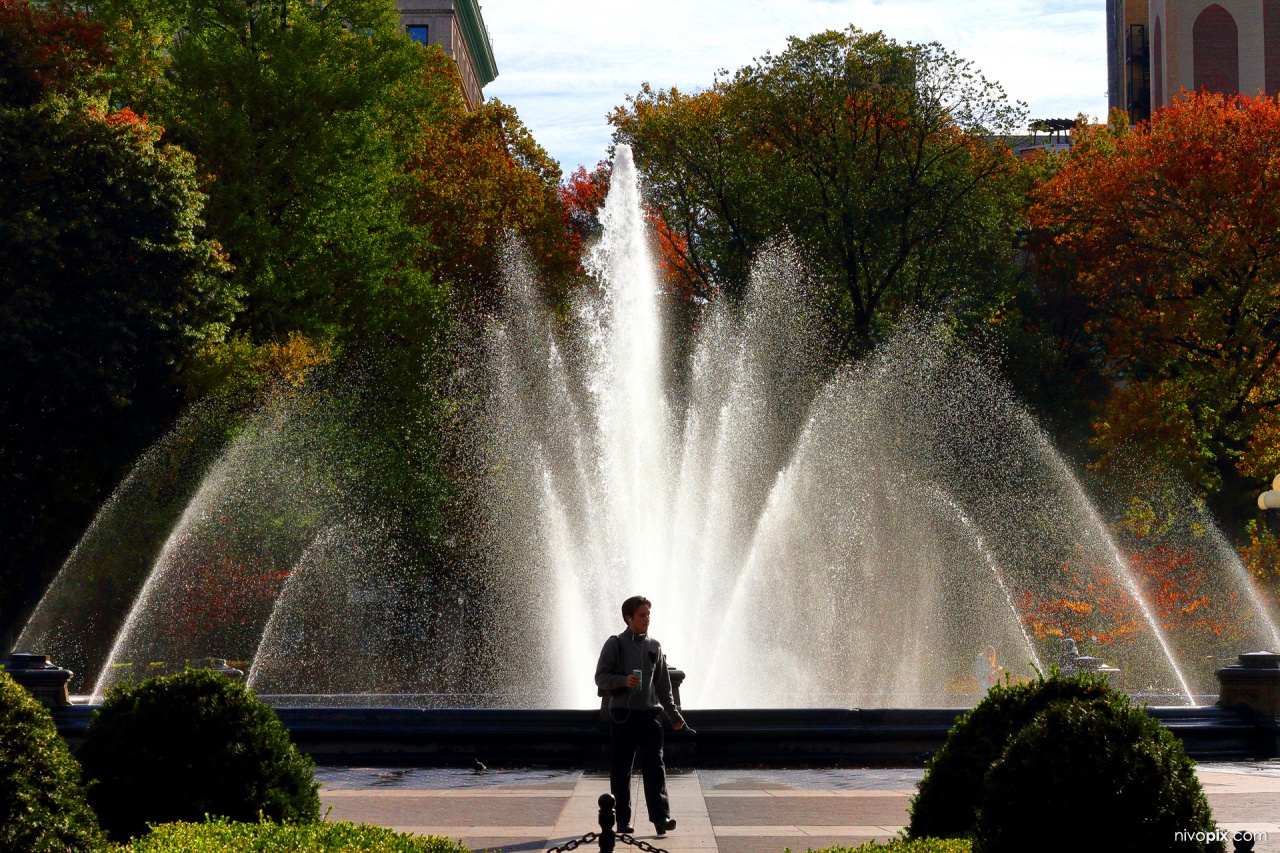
{"points": [[626, 829], [665, 826]]}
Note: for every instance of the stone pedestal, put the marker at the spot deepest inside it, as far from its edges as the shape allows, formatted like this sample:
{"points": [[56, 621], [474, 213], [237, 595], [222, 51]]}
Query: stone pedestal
{"points": [[219, 665], [46, 681], [677, 678], [1253, 683], [1073, 663]]}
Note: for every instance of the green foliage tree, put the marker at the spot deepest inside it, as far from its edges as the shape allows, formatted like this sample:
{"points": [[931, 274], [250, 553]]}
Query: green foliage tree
{"points": [[180, 747], [107, 285], [305, 117], [42, 803], [878, 157], [309, 120]]}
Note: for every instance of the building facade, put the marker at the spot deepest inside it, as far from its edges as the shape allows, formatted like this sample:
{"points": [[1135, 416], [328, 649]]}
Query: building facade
{"points": [[457, 26], [1157, 48]]}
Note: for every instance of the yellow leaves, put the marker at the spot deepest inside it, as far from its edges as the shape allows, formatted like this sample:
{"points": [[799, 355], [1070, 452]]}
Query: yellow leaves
{"points": [[238, 366], [1261, 556]]}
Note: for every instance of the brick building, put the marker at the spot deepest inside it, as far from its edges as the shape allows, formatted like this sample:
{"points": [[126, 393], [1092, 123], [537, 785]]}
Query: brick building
{"points": [[457, 26], [1157, 48]]}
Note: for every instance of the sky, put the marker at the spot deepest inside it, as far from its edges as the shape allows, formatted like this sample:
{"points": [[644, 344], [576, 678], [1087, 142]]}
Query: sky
{"points": [[563, 64]]}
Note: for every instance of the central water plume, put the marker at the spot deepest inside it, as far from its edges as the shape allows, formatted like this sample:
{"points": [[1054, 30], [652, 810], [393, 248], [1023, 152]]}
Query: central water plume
{"points": [[806, 538]]}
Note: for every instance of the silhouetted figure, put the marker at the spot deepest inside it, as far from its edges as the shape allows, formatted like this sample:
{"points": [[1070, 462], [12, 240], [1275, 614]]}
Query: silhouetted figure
{"points": [[632, 673]]}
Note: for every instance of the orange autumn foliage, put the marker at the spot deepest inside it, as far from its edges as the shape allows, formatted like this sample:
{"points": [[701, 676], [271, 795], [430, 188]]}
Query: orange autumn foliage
{"points": [[583, 194], [480, 176], [1171, 233], [47, 47], [1093, 602]]}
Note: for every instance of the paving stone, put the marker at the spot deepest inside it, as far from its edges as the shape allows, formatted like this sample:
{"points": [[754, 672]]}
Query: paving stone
{"points": [[409, 810], [1245, 807], [506, 845], [776, 844], [819, 811]]}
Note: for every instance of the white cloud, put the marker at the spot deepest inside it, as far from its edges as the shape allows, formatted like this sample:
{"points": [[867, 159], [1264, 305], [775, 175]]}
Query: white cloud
{"points": [[565, 63]]}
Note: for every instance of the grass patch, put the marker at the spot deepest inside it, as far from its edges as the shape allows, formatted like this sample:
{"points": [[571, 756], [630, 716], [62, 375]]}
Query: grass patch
{"points": [[225, 836]]}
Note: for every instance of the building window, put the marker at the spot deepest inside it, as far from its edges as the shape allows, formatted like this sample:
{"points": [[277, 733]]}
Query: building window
{"points": [[418, 33], [1215, 50]]}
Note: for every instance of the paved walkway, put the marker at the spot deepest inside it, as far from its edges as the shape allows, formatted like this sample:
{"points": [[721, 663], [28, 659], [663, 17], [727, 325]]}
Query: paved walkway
{"points": [[723, 811]]}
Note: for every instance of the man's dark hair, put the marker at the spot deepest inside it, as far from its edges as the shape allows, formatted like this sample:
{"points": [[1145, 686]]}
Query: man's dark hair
{"points": [[632, 604]]}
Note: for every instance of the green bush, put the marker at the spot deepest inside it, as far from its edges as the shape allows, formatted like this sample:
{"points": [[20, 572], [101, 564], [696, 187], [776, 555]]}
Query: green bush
{"points": [[223, 836], [42, 804], [946, 804], [1093, 774], [905, 845], [185, 746]]}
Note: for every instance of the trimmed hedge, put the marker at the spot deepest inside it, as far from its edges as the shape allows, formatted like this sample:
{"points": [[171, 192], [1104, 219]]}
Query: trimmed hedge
{"points": [[191, 745], [223, 836], [1093, 774], [946, 804], [42, 803], [904, 845]]}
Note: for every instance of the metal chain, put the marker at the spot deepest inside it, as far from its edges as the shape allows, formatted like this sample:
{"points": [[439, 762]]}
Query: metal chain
{"points": [[643, 845], [594, 836], [573, 845]]}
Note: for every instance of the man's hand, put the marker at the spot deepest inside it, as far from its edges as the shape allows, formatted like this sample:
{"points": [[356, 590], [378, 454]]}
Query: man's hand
{"points": [[634, 681], [678, 726]]}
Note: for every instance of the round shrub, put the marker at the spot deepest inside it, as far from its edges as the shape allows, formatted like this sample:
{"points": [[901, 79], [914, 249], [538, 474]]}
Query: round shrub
{"points": [[946, 804], [180, 747], [42, 804], [1091, 775]]}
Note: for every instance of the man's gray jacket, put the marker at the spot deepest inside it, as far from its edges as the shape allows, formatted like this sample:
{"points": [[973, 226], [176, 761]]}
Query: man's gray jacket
{"points": [[626, 653]]}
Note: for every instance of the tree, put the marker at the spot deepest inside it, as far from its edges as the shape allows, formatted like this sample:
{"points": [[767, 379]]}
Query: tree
{"points": [[107, 285], [305, 117], [1171, 234], [582, 196], [877, 157], [480, 176], [47, 49]]}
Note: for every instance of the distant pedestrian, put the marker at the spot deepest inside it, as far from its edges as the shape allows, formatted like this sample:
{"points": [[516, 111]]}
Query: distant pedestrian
{"points": [[632, 673], [985, 669]]}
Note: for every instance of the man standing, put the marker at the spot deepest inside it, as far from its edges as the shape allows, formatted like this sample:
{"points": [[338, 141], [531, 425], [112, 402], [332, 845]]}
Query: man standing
{"points": [[632, 672]]}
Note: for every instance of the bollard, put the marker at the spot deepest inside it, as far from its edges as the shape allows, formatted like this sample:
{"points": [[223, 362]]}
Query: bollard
{"points": [[606, 823]]}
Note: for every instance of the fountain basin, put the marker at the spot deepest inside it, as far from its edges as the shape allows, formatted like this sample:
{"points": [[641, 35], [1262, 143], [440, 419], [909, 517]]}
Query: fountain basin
{"points": [[797, 737]]}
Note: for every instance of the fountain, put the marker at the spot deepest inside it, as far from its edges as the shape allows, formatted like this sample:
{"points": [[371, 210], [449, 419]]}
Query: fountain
{"points": [[811, 536]]}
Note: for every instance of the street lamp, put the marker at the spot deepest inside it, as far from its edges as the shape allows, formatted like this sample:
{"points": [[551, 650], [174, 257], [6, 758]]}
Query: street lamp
{"points": [[1271, 499]]}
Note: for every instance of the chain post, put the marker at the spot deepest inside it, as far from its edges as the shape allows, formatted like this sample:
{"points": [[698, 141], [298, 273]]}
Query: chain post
{"points": [[606, 823]]}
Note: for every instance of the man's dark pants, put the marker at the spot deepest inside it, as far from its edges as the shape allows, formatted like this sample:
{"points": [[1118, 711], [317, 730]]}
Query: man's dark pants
{"points": [[632, 732]]}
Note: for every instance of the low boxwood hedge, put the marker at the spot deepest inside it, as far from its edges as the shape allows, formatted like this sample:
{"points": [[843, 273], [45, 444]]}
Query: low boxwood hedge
{"points": [[1094, 774], [42, 803], [224, 836], [180, 747], [946, 804]]}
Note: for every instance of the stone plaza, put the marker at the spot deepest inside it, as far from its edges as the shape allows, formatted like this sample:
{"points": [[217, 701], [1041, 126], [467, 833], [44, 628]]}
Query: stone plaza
{"points": [[718, 811]]}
